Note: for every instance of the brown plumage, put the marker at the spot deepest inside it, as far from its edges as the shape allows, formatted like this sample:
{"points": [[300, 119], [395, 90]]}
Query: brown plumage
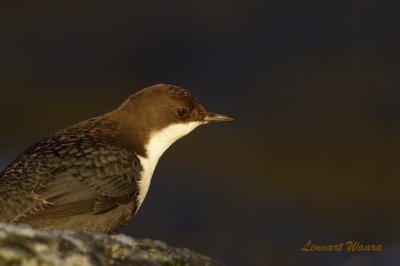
{"points": [[86, 176]]}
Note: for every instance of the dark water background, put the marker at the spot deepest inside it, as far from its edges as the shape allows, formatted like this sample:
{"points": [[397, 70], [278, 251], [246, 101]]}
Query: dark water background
{"points": [[314, 86]]}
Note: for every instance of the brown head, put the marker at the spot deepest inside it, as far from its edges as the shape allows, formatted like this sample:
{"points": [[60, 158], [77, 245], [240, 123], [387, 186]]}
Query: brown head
{"points": [[158, 107]]}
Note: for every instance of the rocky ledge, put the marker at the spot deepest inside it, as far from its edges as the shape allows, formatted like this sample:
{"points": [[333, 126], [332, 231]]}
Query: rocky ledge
{"points": [[23, 245]]}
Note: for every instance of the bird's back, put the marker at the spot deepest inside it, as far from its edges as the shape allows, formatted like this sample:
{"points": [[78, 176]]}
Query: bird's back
{"points": [[78, 171]]}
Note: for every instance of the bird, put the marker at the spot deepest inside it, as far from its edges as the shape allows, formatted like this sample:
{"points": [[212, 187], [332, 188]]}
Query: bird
{"points": [[94, 175]]}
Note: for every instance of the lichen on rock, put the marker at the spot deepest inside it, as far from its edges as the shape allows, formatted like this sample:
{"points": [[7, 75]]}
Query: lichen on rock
{"points": [[23, 245]]}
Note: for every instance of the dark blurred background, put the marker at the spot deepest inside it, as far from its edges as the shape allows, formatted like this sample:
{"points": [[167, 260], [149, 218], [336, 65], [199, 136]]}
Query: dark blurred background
{"points": [[314, 86]]}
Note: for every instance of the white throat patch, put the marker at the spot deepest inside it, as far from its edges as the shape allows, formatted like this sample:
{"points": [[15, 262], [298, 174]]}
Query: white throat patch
{"points": [[157, 145]]}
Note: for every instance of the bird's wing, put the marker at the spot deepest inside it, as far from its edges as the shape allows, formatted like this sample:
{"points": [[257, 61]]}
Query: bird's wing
{"points": [[99, 180]]}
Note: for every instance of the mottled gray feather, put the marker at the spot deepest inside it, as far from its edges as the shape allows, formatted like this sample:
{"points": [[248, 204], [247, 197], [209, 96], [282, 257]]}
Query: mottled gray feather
{"points": [[78, 170]]}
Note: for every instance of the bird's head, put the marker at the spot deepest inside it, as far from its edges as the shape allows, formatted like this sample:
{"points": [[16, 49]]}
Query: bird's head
{"points": [[162, 105], [166, 113]]}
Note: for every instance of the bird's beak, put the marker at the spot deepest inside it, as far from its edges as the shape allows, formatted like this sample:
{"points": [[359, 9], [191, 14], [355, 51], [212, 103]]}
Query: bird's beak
{"points": [[213, 117]]}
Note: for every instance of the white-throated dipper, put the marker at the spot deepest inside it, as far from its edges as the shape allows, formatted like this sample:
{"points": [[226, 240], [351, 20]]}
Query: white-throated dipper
{"points": [[95, 175]]}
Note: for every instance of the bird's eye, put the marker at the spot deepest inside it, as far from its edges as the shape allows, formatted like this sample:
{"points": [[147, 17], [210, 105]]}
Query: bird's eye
{"points": [[183, 113]]}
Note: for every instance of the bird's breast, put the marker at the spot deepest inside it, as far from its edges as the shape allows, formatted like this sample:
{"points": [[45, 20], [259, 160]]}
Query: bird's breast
{"points": [[158, 143], [148, 167]]}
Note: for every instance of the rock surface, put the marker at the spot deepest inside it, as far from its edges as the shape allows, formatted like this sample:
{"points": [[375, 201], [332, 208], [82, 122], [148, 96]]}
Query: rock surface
{"points": [[23, 245]]}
